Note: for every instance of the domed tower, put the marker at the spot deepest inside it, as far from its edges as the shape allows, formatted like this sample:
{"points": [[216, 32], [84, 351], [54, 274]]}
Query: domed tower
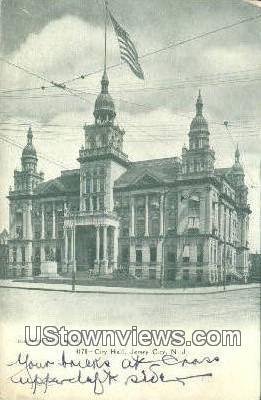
{"points": [[26, 179], [237, 178], [104, 111], [102, 158], [199, 157], [29, 156]]}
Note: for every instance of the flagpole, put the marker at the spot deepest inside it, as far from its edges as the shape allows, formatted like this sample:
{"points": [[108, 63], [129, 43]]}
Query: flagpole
{"points": [[105, 34]]}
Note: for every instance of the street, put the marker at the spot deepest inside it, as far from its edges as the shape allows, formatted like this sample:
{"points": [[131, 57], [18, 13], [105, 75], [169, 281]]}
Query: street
{"points": [[235, 308]]}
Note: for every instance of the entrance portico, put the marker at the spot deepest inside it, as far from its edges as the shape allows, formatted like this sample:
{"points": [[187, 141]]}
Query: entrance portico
{"points": [[91, 242]]}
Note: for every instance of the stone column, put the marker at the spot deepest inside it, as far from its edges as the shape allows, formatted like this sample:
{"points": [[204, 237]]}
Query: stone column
{"points": [[105, 253], [221, 221], [29, 231], [98, 185], [73, 250], [72, 245], [24, 222], [98, 242], [229, 225], [132, 218], [53, 221], [115, 247], [147, 215], [28, 256], [208, 214], [12, 221], [81, 193], [91, 184], [19, 255], [132, 257], [43, 223], [91, 204], [66, 250], [145, 260], [160, 260], [42, 253], [162, 215]]}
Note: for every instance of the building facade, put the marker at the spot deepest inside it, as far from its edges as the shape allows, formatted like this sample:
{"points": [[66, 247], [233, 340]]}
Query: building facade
{"points": [[175, 218]]}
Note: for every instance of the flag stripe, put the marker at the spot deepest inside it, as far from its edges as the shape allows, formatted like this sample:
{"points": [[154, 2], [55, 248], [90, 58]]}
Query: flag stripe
{"points": [[128, 50], [126, 39], [127, 58]]}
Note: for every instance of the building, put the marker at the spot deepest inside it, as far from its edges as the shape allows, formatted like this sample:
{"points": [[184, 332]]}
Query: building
{"points": [[175, 218], [4, 259]]}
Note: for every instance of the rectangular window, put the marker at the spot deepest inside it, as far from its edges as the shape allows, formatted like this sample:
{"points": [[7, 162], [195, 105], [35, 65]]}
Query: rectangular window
{"points": [[101, 202], [186, 253], [125, 254], [19, 232], [199, 275], [125, 232], [14, 255], [88, 185], [138, 273], [152, 274], [37, 255], [155, 227], [23, 255], [87, 204], [95, 185], [200, 253], [153, 254], [193, 223], [185, 274], [171, 257], [94, 203], [37, 234], [102, 185], [140, 227], [139, 257], [58, 254]]}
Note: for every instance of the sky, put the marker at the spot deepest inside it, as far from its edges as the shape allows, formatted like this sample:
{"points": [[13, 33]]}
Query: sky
{"points": [[61, 40]]}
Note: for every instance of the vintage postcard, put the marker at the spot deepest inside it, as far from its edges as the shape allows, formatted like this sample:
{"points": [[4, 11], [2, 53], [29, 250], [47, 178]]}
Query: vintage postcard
{"points": [[130, 262]]}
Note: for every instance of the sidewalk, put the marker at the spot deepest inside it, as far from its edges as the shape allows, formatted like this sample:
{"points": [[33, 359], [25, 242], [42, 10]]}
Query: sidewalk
{"points": [[54, 287]]}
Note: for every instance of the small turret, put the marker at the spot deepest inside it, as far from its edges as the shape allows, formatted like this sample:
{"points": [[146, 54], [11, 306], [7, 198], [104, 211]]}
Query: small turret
{"points": [[237, 171], [28, 178]]}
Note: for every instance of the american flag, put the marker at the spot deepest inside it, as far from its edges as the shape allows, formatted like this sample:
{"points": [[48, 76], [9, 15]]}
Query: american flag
{"points": [[127, 49]]}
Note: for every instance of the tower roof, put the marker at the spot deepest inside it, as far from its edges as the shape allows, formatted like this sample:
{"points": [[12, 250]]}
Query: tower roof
{"points": [[237, 167], [104, 110], [199, 123], [29, 149]]}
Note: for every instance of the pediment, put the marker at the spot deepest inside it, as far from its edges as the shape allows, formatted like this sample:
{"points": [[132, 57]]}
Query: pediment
{"points": [[53, 187], [146, 179]]}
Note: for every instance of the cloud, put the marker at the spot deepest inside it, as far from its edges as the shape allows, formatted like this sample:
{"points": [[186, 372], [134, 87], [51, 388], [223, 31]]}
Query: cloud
{"points": [[256, 3]]}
